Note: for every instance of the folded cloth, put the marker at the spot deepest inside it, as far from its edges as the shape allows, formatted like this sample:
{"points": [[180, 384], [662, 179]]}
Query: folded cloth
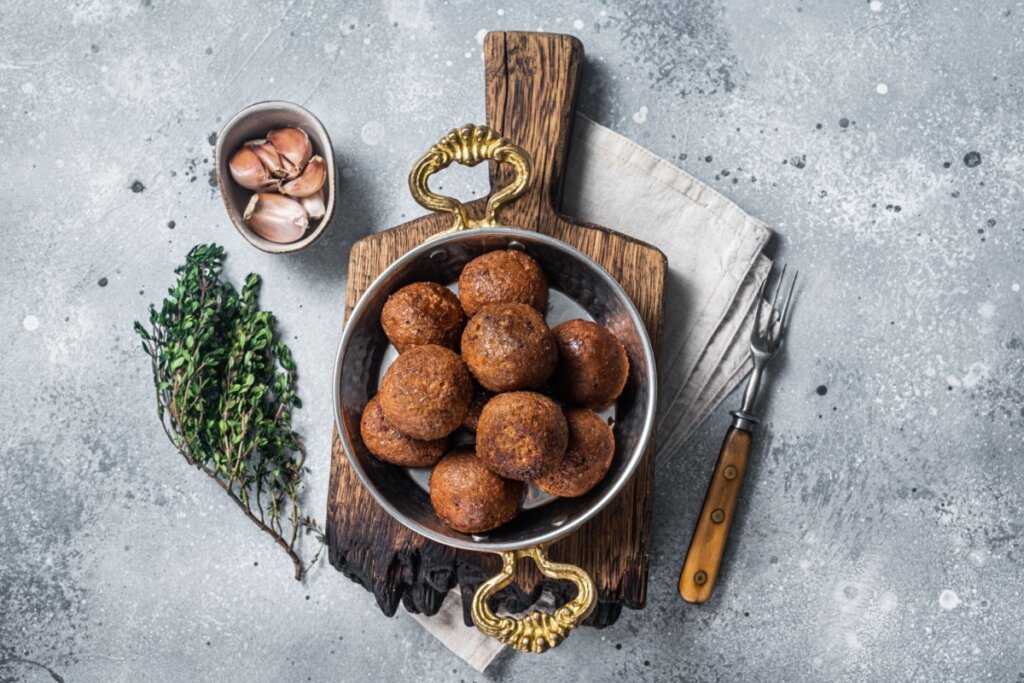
{"points": [[728, 354], [715, 273], [469, 643], [711, 244]]}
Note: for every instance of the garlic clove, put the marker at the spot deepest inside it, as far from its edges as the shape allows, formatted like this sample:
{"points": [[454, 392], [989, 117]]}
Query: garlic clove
{"points": [[314, 205], [311, 180], [269, 156], [276, 218], [248, 171], [294, 147]]}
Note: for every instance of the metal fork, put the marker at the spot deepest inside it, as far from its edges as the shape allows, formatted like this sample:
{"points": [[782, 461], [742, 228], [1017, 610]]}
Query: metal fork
{"points": [[704, 558]]}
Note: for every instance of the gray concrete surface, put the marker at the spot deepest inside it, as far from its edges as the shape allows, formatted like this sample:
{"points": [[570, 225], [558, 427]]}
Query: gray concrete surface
{"points": [[881, 530]]}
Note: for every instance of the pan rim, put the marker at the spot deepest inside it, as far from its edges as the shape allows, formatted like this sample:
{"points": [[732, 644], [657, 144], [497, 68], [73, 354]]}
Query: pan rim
{"points": [[577, 520]]}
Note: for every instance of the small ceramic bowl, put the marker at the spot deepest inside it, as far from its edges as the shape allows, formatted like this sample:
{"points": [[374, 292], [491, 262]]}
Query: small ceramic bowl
{"points": [[252, 123]]}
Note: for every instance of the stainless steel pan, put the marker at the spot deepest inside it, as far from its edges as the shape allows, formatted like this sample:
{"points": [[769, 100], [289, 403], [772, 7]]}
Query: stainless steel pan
{"points": [[364, 352]]}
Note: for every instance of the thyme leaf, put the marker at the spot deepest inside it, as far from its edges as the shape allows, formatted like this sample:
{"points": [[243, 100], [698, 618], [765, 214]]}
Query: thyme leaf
{"points": [[225, 394]]}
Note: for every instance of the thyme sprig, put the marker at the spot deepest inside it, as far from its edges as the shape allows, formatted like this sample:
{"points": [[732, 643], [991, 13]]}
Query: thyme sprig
{"points": [[225, 393]]}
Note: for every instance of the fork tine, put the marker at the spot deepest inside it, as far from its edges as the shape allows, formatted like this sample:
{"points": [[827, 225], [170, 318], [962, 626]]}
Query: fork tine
{"points": [[785, 308], [778, 288], [755, 333]]}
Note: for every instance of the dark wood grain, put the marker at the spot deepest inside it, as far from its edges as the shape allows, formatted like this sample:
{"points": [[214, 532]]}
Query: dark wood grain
{"points": [[532, 81], [704, 558]]}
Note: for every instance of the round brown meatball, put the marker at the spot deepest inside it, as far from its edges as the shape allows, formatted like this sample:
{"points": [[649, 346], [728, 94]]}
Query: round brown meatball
{"points": [[500, 277], [587, 459], [480, 398], [522, 435], [391, 445], [469, 497], [509, 347], [422, 313], [426, 392], [592, 364]]}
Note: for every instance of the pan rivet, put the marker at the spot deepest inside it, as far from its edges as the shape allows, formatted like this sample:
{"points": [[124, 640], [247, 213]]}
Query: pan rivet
{"points": [[700, 578], [439, 255], [517, 245], [717, 516], [729, 473]]}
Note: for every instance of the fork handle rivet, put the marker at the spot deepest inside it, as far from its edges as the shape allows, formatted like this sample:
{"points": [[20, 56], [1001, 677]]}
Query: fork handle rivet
{"points": [[729, 473], [717, 516], [700, 578]]}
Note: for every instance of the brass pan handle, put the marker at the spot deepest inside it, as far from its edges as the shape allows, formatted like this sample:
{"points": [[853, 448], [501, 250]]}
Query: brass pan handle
{"points": [[537, 631], [469, 145]]}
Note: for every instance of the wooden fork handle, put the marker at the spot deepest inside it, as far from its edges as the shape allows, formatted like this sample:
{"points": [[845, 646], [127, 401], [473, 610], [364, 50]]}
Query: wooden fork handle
{"points": [[703, 559]]}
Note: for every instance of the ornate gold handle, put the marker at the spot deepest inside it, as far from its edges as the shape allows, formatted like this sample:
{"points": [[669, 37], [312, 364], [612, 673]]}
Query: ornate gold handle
{"points": [[469, 145], [537, 631]]}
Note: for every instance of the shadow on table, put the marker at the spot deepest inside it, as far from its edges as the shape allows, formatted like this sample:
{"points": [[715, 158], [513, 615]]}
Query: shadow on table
{"points": [[325, 263]]}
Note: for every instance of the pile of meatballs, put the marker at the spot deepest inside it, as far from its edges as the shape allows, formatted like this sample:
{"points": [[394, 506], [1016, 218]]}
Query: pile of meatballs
{"points": [[491, 376]]}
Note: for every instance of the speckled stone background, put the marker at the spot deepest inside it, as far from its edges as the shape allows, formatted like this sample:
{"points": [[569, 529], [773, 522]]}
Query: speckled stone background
{"points": [[881, 532]]}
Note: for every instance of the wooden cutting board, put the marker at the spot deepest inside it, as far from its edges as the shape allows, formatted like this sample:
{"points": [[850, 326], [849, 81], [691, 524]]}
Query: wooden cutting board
{"points": [[532, 81]]}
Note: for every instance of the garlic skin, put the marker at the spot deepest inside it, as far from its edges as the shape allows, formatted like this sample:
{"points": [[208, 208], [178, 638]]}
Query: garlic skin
{"points": [[276, 218], [314, 205], [294, 147], [249, 172], [269, 156], [309, 183]]}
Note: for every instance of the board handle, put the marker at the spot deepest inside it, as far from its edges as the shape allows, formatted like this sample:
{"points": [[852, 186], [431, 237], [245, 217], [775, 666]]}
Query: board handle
{"points": [[469, 145], [532, 82], [536, 631]]}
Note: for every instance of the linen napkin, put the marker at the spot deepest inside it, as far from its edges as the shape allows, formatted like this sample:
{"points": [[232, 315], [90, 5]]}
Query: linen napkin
{"points": [[715, 273]]}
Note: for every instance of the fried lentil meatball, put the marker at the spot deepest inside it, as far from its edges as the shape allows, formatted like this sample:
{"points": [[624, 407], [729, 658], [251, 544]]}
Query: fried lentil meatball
{"points": [[480, 398], [426, 392], [422, 313], [509, 347], [522, 435], [587, 459], [507, 276], [390, 445], [470, 498], [592, 364]]}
